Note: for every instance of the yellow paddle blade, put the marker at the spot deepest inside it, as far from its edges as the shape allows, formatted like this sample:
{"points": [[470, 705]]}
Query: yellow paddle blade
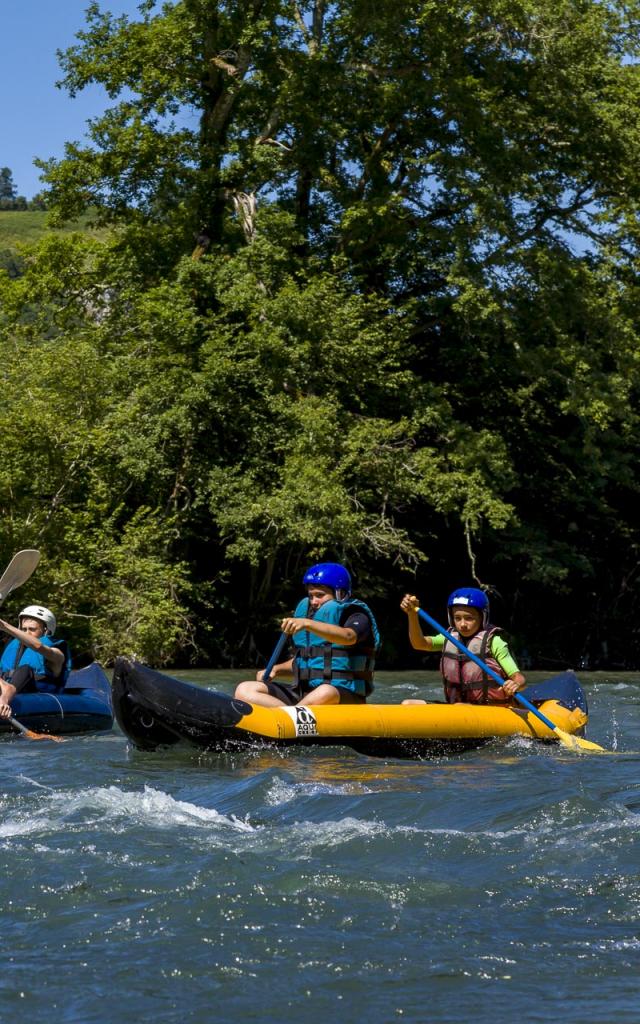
{"points": [[30, 734], [578, 743]]}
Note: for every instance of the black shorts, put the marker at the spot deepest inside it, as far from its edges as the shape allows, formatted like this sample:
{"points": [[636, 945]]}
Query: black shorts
{"points": [[293, 694], [24, 679]]}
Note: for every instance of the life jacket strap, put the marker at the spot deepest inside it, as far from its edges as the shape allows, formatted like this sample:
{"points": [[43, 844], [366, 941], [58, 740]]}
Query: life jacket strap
{"points": [[9, 675], [307, 674], [459, 683], [483, 657]]}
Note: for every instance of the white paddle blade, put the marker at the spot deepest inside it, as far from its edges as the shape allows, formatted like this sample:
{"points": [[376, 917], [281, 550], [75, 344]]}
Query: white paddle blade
{"points": [[20, 568]]}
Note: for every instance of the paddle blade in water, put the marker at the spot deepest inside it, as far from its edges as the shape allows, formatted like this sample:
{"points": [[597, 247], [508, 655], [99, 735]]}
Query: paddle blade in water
{"points": [[578, 743], [31, 735], [43, 736], [571, 742]]}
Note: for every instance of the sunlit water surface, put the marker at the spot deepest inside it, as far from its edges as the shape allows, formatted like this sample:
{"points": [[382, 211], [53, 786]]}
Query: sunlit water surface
{"points": [[315, 886]]}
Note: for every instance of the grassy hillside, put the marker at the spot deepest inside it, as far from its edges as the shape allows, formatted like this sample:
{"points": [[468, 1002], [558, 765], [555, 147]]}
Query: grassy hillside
{"points": [[18, 227], [21, 227]]}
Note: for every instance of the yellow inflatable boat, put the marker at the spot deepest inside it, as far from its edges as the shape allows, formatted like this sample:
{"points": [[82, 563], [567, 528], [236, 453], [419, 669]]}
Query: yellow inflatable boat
{"points": [[154, 710]]}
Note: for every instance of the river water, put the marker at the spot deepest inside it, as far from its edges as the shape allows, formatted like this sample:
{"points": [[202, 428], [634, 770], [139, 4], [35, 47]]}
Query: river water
{"points": [[320, 885]]}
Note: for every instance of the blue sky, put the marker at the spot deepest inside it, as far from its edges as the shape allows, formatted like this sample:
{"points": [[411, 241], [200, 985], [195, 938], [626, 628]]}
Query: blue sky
{"points": [[38, 118]]}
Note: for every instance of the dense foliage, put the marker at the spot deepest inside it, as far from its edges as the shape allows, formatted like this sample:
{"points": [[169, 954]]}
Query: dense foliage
{"points": [[368, 293]]}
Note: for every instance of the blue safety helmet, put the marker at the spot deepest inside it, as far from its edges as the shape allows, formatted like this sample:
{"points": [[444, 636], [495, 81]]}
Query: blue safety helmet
{"points": [[472, 598], [329, 574]]}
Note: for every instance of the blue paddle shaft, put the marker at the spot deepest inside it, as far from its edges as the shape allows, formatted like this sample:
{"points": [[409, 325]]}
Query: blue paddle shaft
{"points": [[485, 668], [277, 651]]}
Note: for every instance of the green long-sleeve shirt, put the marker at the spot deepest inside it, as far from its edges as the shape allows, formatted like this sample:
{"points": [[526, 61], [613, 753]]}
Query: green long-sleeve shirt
{"points": [[498, 648]]}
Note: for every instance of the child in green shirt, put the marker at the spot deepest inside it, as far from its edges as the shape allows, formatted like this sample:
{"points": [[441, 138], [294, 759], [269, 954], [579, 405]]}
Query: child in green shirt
{"points": [[464, 680]]}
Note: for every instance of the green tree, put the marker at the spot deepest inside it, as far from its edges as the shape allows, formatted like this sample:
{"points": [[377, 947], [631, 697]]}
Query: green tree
{"points": [[7, 188], [420, 139], [369, 293]]}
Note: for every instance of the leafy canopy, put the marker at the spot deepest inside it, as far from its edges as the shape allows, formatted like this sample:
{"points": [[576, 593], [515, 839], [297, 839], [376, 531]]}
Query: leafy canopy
{"points": [[368, 292]]}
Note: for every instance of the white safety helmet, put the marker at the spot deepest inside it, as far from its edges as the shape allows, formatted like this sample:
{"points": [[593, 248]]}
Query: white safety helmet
{"points": [[38, 611]]}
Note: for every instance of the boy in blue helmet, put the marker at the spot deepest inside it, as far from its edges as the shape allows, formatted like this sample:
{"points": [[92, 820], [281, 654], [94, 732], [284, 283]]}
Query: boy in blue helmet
{"points": [[335, 640], [464, 681]]}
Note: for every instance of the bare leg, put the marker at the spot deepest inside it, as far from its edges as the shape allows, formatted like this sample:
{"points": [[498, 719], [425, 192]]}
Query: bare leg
{"points": [[323, 694], [257, 693], [412, 700]]}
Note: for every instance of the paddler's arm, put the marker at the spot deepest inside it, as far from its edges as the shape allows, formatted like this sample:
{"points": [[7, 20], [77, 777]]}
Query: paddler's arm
{"points": [[417, 639], [52, 655], [515, 681], [282, 671], [334, 634]]}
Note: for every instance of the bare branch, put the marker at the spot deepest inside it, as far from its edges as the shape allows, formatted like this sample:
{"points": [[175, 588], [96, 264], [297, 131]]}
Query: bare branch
{"points": [[297, 14], [471, 553], [221, 112], [375, 152], [231, 69], [313, 37], [57, 498], [379, 71], [275, 142], [317, 25], [271, 125], [244, 203], [544, 213]]}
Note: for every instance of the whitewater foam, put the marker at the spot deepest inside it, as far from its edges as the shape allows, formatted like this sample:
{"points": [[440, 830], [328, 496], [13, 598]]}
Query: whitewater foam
{"points": [[114, 807]]}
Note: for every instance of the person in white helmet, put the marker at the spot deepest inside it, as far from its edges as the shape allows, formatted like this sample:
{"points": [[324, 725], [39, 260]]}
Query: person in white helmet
{"points": [[32, 660]]}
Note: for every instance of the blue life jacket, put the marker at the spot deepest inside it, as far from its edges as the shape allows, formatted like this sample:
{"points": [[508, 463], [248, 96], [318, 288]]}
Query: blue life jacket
{"points": [[16, 654], [318, 661]]}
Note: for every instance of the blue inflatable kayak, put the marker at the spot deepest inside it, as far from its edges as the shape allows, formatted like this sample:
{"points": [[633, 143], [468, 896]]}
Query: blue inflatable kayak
{"points": [[83, 706]]}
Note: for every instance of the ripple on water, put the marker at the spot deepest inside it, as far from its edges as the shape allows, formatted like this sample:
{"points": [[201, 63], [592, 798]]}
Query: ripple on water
{"points": [[305, 885]]}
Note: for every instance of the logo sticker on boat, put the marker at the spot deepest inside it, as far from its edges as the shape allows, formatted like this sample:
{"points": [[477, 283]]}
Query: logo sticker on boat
{"points": [[304, 720]]}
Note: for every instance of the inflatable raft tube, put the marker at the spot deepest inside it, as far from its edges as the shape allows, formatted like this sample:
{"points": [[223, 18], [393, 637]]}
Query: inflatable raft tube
{"points": [[154, 710], [84, 705]]}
